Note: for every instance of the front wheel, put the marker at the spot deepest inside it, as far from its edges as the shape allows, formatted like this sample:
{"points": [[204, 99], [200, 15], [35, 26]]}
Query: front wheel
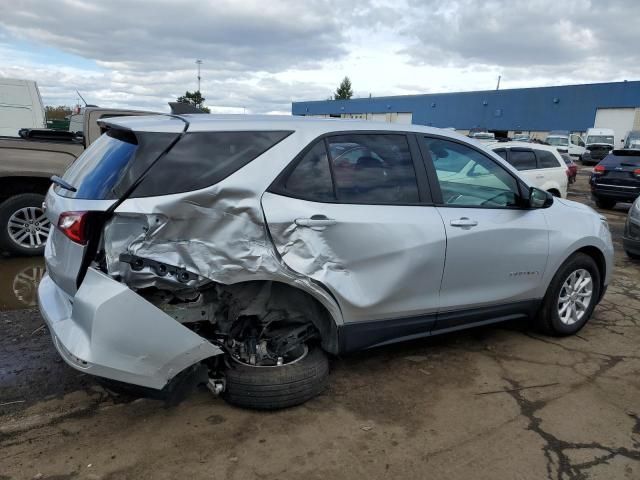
{"points": [[571, 297], [279, 386]]}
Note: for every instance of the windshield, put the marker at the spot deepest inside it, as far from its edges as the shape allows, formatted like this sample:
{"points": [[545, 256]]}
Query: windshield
{"points": [[608, 139], [558, 141]]}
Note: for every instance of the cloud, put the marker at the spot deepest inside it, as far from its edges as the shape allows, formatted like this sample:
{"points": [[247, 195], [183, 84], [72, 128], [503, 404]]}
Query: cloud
{"points": [[586, 38], [259, 56]]}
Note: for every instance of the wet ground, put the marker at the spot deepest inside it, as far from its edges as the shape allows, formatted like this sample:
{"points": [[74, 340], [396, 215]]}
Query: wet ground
{"points": [[496, 403]]}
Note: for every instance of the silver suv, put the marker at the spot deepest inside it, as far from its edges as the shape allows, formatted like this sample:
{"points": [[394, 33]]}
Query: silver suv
{"points": [[239, 251]]}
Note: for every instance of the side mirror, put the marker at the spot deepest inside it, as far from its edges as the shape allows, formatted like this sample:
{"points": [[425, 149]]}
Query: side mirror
{"points": [[539, 198]]}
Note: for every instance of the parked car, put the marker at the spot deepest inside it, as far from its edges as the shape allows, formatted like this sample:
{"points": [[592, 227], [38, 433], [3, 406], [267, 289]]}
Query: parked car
{"points": [[26, 165], [241, 251], [632, 140], [572, 168], [599, 142], [483, 137], [616, 178], [566, 142], [631, 236], [540, 165], [20, 106]]}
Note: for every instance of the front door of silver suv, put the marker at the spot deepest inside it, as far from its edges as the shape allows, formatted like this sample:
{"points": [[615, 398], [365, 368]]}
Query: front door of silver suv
{"points": [[496, 248]]}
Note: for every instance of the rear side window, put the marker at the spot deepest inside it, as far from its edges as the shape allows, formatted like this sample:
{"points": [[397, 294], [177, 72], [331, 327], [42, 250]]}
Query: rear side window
{"points": [[311, 178], [357, 168], [502, 153], [200, 159], [373, 168], [522, 159], [547, 159]]}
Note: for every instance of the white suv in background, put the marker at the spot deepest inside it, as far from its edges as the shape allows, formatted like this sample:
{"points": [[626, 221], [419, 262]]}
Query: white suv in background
{"points": [[540, 165]]}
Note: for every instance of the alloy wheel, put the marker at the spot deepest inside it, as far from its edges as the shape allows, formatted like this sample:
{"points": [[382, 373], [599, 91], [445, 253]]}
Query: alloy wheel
{"points": [[575, 296], [29, 227]]}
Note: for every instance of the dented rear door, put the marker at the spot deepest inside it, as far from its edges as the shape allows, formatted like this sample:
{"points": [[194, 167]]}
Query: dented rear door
{"points": [[380, 260]]}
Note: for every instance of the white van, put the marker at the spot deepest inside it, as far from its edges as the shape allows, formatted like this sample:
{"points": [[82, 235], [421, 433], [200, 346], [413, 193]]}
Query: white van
{"points": [[20, 106], [541, 165], [600, 141], [566, 142]]}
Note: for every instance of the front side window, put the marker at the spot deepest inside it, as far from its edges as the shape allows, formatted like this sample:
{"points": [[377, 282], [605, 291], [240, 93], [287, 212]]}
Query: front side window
{"points": [[522, 159], [373, 168], [547, 159], [479, 182]]}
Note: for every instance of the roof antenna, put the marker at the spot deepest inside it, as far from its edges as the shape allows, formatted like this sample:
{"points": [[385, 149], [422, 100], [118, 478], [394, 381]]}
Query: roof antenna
{"points": [[498, 86], [85, 102]]}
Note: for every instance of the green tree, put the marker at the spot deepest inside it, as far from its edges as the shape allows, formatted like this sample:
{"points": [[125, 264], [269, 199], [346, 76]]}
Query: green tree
{"points": [[344, 91], [196, 99], [57, 113]]}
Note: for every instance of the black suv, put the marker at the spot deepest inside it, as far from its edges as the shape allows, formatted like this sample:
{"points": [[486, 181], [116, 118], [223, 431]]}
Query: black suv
{"points": [[616, 178]]}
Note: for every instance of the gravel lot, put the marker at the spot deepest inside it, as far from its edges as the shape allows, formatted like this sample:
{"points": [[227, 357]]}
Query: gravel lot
{"points": [[494, 403]]}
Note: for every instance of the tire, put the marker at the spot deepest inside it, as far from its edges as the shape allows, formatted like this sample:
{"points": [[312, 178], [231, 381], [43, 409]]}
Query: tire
{"points": [[16, 207], [605, 203], [632, 256], [271, 388], [549, 320]]}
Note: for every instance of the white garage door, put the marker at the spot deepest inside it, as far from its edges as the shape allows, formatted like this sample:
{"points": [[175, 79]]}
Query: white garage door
{"points": [[619, 119]]}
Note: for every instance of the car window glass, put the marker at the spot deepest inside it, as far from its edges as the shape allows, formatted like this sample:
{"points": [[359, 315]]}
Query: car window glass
{"points": [[373, 168], [522, 159], [479, 182], [311, 178], [502, 153], [546, 159]]}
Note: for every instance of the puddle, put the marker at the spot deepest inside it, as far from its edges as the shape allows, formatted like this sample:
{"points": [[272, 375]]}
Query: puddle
{"points": [[19, 278]]}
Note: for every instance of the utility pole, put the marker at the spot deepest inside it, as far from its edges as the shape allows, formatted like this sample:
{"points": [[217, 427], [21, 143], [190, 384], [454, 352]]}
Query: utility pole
{"points": [[198, 62]]}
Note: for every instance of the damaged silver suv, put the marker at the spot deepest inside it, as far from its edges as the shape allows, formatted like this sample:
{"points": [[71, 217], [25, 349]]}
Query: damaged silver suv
{"points": [[240, 251]]}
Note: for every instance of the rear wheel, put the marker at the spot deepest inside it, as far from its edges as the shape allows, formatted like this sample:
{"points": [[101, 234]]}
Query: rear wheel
{"points": [[605, 203], [24, 228], [571, 297], [301, 377]]}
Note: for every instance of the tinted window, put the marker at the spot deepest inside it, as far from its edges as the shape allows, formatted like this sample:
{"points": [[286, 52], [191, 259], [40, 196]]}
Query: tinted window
{"points": [[547, 159], [200, 159], [502, 153], [522, 159], [373, 168], [311, 178], [480, 181], [622, 160]]}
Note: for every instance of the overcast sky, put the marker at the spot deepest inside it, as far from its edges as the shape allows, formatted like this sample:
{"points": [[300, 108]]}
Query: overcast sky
{"points": [[261, 55]]}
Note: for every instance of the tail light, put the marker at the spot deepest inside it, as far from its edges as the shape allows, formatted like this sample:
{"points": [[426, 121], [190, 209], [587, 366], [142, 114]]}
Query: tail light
{"points": [[636, 172], [599, 169], [73, 225]]}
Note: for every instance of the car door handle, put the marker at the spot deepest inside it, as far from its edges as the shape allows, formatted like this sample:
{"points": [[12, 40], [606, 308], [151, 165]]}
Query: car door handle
{"points": [[464, 222], [315, 221], [539, 176]]}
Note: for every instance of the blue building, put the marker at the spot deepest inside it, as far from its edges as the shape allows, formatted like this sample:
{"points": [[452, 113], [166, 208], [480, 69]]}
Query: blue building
{"points": [[528, 110]]}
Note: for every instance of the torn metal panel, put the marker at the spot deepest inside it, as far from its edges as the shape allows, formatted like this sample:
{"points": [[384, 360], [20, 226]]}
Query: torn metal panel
{"points": [[217, 234]]}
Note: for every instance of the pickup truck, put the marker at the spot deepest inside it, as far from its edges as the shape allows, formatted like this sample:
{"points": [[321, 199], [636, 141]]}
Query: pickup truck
{"points": [[26, 166]]}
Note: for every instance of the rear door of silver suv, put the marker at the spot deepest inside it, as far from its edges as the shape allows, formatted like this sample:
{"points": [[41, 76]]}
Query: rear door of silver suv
{"points": [[353, 212]]}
